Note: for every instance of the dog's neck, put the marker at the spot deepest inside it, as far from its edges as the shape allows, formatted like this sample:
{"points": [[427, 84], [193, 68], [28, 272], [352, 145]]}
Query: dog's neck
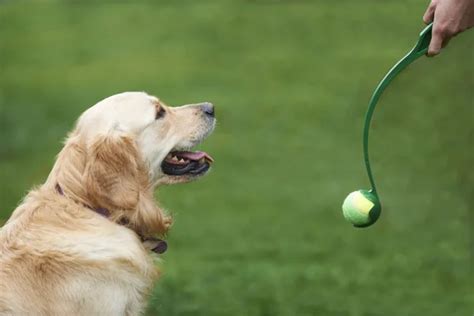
{"points": [[156, 245]]}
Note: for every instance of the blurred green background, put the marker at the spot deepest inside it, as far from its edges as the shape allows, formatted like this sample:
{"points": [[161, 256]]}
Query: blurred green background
{"points": [[263, 234]]}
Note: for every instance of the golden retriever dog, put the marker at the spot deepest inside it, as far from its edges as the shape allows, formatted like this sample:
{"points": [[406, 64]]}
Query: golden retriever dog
{"points": [[83, 242]]}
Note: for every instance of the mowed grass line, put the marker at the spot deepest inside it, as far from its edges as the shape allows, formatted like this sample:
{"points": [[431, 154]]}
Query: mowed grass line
{"points": [[263, 234]]}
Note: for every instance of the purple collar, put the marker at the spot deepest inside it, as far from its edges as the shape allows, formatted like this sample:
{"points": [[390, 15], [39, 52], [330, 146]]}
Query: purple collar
{"points": [[156, 245], [100, 210]]}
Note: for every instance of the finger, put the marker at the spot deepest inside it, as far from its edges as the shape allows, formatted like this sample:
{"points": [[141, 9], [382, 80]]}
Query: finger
{"points": [[435, 44], [429, 14]]}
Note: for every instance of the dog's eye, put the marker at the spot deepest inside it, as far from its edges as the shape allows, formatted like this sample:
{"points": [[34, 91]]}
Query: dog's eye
{"points": [[160, 113]]}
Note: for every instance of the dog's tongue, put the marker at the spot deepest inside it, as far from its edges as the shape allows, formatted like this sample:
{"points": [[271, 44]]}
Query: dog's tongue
{"points": [[194, 155]]}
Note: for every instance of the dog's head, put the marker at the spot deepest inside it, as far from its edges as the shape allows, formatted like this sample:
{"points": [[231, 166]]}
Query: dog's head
{"points": [[162, 136], [126, 145]]}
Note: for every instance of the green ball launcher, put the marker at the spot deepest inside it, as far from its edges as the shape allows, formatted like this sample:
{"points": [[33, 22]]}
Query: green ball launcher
{"points": [[362, 208]]}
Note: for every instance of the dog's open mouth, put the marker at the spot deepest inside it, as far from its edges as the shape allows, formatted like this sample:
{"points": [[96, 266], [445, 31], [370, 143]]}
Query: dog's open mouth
{"points": [[179, 163]]}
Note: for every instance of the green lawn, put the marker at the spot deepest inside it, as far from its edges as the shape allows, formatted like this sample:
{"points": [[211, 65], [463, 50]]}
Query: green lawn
{"points": [[263, 234]]}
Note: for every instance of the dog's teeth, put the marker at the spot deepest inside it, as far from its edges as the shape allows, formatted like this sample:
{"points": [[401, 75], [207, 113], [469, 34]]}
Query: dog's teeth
{"points": [[202, 160], [181, 160], [174, 158]]}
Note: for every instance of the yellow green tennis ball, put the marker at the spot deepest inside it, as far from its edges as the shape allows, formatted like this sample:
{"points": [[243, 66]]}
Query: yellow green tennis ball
{"points": [[361, 208]]}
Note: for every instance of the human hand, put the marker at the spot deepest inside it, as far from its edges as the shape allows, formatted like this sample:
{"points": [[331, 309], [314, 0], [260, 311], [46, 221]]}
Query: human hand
{"points": [[449, 17]]}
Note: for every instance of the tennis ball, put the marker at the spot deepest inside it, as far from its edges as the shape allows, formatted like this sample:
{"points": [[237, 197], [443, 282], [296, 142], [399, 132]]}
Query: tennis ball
{"points": [[361, 208]]}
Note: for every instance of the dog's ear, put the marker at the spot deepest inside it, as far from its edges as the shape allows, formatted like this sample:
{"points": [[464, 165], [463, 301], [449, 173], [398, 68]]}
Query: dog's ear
{"points": [[116, 179], [113, 174]]}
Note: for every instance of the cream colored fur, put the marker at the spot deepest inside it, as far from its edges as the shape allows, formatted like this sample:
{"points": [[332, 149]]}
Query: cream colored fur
{"points": [[59, 257]]}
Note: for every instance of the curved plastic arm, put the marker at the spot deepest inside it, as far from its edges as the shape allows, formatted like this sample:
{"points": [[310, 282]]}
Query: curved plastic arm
{"points": [[420, 49]]}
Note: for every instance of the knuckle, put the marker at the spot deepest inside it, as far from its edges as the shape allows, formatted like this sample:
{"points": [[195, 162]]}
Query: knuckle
{"points": [[440, 29]]}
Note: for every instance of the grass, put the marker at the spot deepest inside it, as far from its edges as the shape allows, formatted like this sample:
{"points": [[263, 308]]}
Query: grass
{"points": [[263, 234]]}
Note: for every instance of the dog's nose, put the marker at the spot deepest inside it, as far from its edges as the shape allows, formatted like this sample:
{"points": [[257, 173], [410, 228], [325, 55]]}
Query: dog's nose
{"points": [[208, 109]]}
